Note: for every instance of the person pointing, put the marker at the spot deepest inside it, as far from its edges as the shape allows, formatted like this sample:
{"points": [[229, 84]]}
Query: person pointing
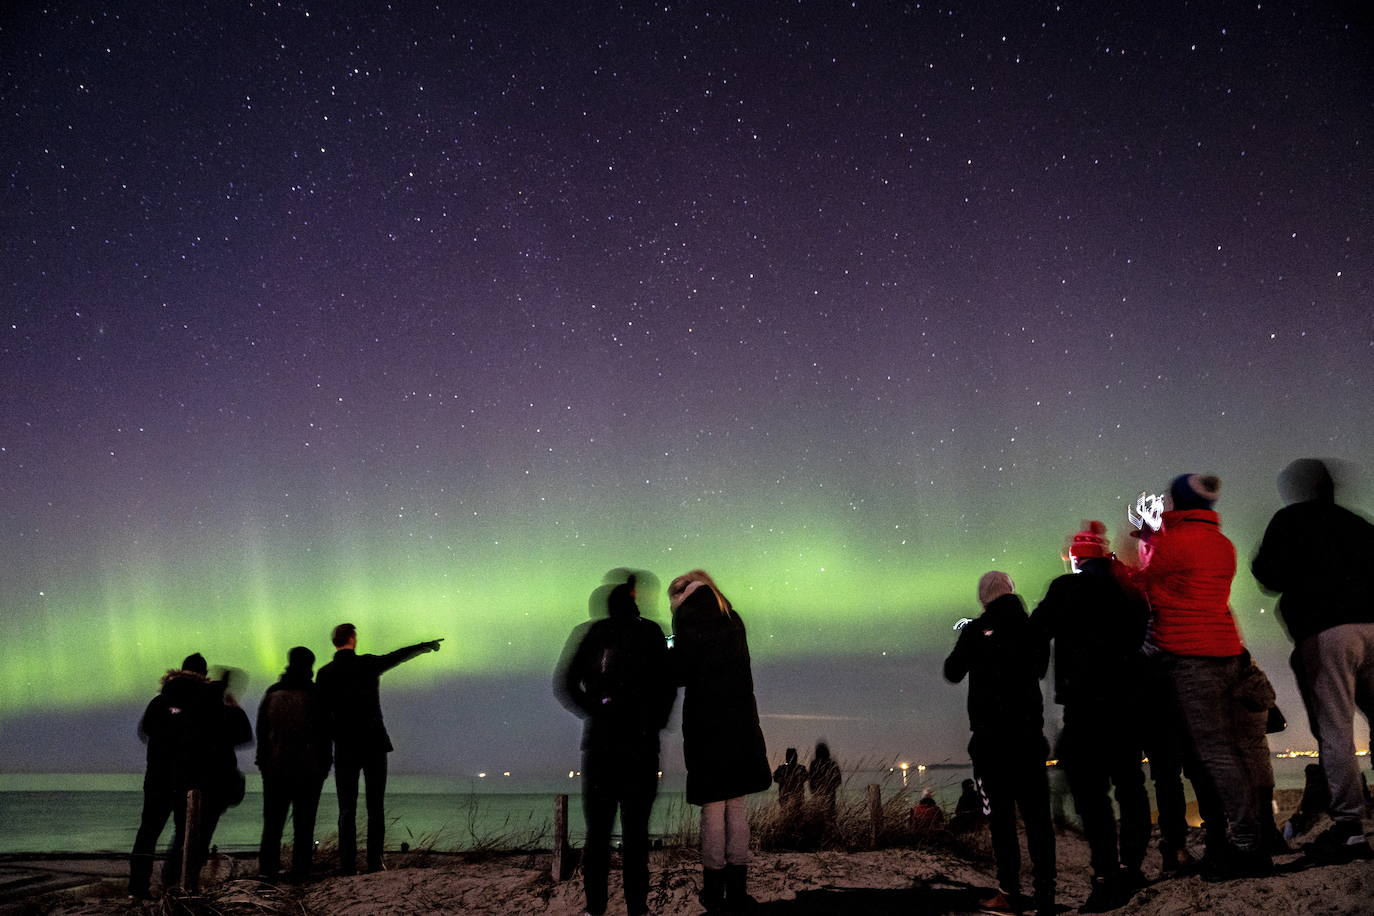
{"points": [[349, 686]]}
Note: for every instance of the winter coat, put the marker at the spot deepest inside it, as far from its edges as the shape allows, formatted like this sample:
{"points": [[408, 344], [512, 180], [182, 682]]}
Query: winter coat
{"points": [[1188, 585], [191, 734], [293, 731], [618, 680], [350, 686], [722, 743], [1004, 662], [1316, 554], [1098, 629]]}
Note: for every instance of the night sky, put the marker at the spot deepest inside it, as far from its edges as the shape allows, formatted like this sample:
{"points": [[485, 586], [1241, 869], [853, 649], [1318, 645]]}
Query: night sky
{"points": [[426, 316]]}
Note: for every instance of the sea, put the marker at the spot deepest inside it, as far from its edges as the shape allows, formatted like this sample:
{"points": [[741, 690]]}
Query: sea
{"points": [[95, 813]]}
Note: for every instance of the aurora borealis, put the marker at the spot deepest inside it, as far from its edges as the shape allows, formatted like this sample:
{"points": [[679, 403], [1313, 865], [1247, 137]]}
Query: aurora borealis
{"points": [[424, 318]]}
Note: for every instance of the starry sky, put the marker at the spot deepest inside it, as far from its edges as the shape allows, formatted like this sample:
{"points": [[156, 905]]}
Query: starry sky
{"points": [[424, 316]]}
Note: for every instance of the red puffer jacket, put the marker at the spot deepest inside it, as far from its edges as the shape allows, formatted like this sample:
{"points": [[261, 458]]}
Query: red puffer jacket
{"points": [[1188, 584]]}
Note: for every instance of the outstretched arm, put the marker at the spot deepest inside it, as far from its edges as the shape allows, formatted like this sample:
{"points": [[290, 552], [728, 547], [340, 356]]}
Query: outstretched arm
{"points": [[392, 659]]}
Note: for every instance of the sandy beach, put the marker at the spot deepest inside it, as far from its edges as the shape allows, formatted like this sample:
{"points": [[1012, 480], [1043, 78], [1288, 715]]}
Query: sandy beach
{"points": [[936, 877]]}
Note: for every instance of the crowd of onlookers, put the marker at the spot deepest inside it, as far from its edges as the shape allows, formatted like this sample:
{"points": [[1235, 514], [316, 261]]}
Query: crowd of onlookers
{"points": [[305, 725], [1148, 662]]}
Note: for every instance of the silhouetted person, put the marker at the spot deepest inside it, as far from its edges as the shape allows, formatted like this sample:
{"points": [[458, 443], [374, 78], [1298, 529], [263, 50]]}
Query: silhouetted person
{"points": [[824, 779], [173, 726], [722, 743], [1004, 662], [926, 816], [1317, 554], [790, 777], [618, 680], [349, 686], [1098, 627], [191, 728], [294, 756], [1188, 585], [968, 810]]}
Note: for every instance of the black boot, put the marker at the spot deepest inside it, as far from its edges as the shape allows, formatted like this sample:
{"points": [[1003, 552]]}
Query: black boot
{"points": [[1271, 840], [712, 894], [737, 899], [1176, 860], [1103, 896]]}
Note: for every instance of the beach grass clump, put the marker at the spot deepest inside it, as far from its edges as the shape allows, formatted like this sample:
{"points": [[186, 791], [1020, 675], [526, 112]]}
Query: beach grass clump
{"points": [[513, 834], [850, 825]]}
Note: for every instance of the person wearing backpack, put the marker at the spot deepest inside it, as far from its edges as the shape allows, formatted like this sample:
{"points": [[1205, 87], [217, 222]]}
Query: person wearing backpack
{"points": [[617, 681], [192, 728]]}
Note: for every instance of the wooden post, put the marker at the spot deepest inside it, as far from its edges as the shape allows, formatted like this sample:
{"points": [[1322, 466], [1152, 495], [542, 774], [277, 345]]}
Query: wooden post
{"points": [[560, 837], [875, 813], [189, 840]]}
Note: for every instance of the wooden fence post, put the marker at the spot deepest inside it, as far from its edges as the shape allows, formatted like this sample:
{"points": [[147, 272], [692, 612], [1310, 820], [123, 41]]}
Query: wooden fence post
{"points": [[189, 840], [560, 837], [875, 813]]}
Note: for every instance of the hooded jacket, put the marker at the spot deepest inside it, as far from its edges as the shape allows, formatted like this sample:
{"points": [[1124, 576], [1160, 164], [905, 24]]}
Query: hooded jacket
{"points": [[191, 734], [1188, 586], [1318, 555]]}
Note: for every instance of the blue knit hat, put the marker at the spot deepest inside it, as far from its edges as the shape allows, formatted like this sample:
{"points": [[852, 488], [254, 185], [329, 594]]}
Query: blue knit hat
{"points": [[1195, 491]]}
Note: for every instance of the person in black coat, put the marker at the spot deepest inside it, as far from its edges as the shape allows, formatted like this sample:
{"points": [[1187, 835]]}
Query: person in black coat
{"points": [[1004, 663], [791, 779], [294, 757], [617, 680], [1098, 628], [349, 686], [191, 728], [824, 780], [722, 743], [1317, 554]]}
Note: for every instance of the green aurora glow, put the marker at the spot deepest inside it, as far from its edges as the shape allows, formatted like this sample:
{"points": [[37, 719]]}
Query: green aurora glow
{"points": [[504, 604]]}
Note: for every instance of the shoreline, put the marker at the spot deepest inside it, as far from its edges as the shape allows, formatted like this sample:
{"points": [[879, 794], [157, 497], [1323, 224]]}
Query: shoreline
{"points": [[940, 876]]}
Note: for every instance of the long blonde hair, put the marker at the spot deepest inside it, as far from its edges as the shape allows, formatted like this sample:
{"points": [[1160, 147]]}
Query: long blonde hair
{"points": [[678, 588]]}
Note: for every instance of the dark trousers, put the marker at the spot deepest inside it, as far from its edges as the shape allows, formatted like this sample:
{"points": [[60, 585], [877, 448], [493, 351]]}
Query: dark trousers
{"points": [[1214, 723], [1171, 759], [372, 766], [157, 809], [301, 795], [1011, 777], [630, 785], [1101, 755]]}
